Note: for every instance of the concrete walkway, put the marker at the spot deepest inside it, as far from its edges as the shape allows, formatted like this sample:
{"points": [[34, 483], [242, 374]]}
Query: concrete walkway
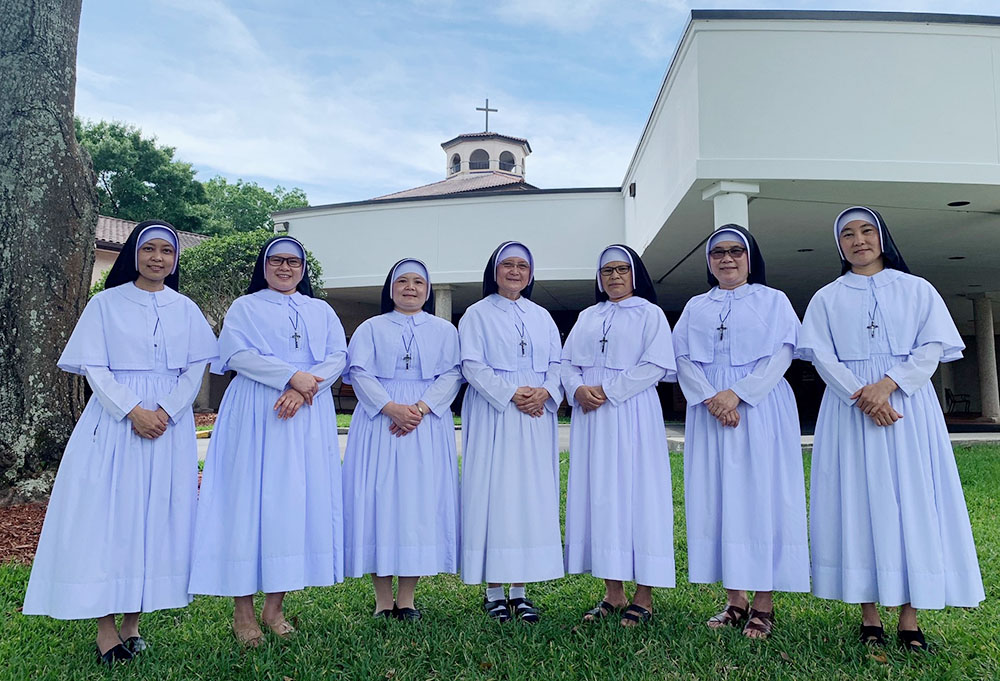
{"points": [[675, 440]]}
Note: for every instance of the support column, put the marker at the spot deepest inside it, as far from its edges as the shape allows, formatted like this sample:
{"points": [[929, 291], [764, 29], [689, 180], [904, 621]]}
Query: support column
{"points": [[442, 301], [989, 394], [731, 201]]}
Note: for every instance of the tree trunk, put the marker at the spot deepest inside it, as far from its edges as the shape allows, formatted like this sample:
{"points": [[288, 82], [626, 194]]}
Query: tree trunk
{"points": [[48, 215]]}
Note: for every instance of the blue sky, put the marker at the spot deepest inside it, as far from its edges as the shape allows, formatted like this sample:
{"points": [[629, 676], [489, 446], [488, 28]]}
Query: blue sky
{"points": [[351, 99]]}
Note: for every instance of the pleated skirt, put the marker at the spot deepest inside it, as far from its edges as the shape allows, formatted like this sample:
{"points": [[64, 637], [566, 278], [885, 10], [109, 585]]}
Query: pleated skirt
{"points": [[118, 529], [888, 518], [270, 512], [619, 506], [510, 491], [401, 493], [744, 492]]}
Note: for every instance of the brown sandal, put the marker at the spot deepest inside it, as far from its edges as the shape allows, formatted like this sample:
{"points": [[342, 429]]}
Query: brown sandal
{"points": [[732, 616], [759, 622], [250, 637], [281, 628]]}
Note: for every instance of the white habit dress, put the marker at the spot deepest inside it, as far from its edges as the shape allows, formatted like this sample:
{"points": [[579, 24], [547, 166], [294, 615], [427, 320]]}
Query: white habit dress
{"points": [[510, 464], [744, 487], [270, 512], [619, 506], [888, 520], [118, 530], [401, 493]]}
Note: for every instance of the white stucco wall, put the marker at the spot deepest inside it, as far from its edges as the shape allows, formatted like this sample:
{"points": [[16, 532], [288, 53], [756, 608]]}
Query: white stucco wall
{"points": [[455, 236]]}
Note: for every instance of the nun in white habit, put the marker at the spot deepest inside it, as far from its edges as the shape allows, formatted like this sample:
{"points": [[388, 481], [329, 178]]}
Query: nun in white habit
{"points": [[401, 467], [117, 532], [744, 487], [269, 515], [888, 518], [510, 466], [619, 510]]}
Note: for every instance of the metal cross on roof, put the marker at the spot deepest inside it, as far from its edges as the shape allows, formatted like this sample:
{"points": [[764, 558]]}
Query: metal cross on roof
{"points": [[487, 109]]}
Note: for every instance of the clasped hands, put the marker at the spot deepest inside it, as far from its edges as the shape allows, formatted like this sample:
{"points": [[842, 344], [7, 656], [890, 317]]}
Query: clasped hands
{"points": [[590, 397], [530, 401], [723, 406], [149, 423], [302, 388], [404, 418], [873, 400]]}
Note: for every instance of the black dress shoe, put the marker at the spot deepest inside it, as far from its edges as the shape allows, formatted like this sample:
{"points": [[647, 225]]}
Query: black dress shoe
{"points": [[117, 654], [408, 614], [386, 614], [135, 644]]}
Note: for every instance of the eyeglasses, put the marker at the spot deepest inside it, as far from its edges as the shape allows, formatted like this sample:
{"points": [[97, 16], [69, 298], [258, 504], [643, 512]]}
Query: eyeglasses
{"points": [[519, 266], [736, 252], [620, 269], [278, 261]]}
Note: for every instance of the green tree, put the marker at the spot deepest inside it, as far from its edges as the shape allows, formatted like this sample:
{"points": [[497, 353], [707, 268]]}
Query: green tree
{"points": [[245, 206], [138, 179], [217, 271]]}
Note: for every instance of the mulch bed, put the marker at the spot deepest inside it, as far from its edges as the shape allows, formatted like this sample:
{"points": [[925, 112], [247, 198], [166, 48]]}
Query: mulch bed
{"points": [[19, 530], [204, 419]]}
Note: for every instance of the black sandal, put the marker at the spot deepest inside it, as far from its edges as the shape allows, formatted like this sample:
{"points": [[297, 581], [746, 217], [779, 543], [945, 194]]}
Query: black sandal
{"points": [[759, 622], [913, 641], [635, 615], [524, 610], [731, 616], [119, 653], [135, 644], [408, 614], [872, 635], [602, 610], [497, 609]]}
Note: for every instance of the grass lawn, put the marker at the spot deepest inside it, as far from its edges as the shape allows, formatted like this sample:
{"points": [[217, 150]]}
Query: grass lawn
{"points": [[337, 638]]}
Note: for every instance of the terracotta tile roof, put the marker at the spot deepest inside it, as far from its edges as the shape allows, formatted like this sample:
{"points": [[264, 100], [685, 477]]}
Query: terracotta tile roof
{"points": [[485, 135], [491, 180], [112, 233]]}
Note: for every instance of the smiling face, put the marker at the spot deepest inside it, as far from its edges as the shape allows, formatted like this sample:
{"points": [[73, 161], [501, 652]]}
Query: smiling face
{"points": [[728, 264], [513, 274], [409, 293], [860, 244], [283, 272], [616, 280], [155, 261]]}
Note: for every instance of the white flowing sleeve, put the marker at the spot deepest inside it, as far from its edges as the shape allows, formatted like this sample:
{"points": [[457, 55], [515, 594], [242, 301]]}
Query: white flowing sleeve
{"points": [[766, 373], [494, 389], [913, 372], [694, 384], [632, 381], [572, 379], [553, 375], [370, 391], [268, 370], [838, 378], [330, 369], [441, 393], [116, 398], [185, 392], [335, 361]]}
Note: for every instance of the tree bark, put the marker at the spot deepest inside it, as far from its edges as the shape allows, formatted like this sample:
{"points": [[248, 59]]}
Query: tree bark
{"points": [[48, 216]]}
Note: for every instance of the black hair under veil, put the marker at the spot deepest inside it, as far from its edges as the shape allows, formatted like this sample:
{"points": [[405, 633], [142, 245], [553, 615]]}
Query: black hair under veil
{"points": [[490, 273], [757, 273], [258, 281], [891, 257], [388, 305], [643, 283], [124, 270]]}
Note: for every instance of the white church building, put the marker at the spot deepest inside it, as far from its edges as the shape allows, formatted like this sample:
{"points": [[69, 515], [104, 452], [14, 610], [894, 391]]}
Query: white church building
{"points": [[775, 120]]}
